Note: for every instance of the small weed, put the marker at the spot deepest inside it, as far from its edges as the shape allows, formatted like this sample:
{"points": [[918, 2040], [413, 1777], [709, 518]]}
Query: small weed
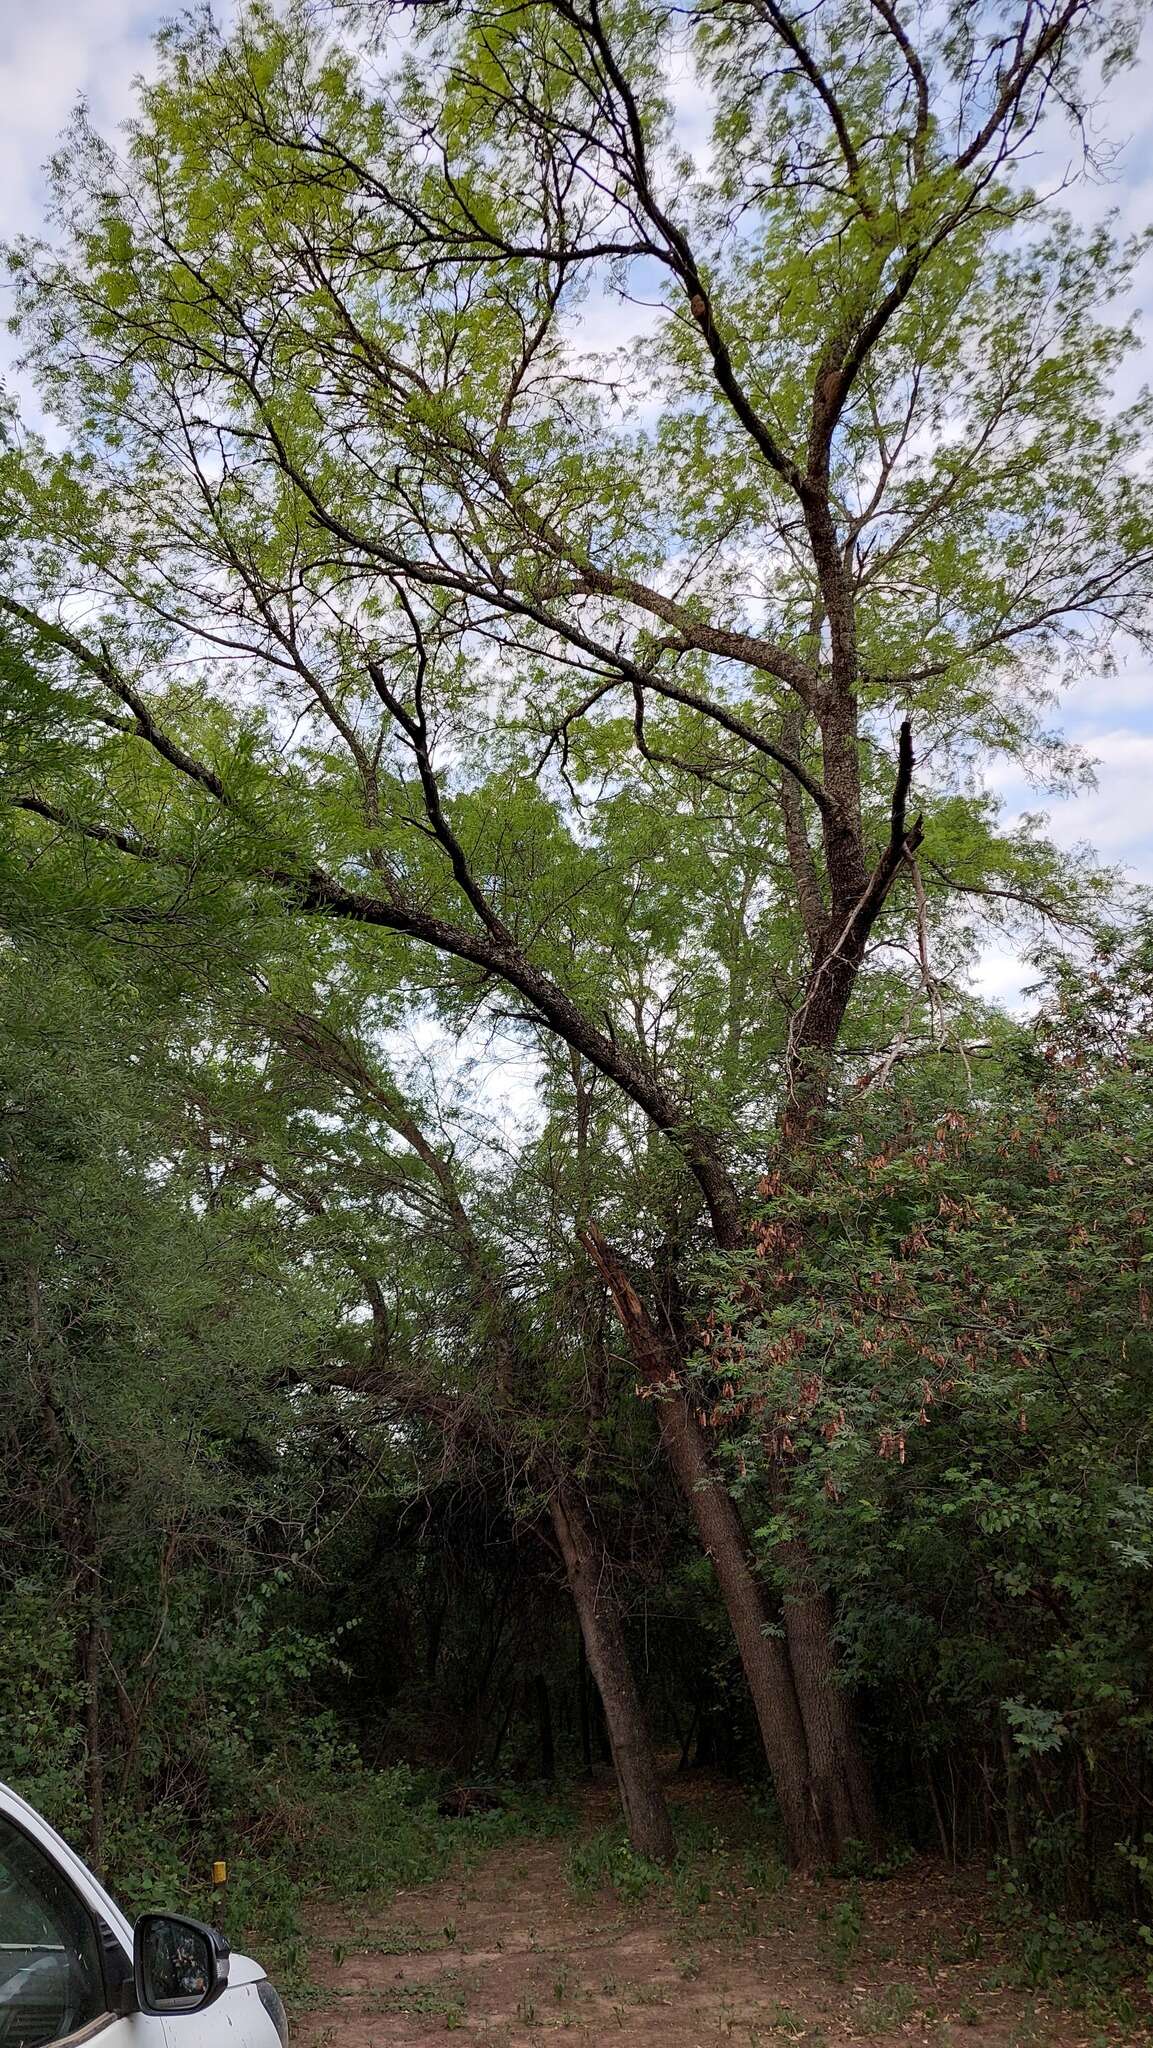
{"points": [[763, 1872], [787, 2022], [748, 1919], [392, 1941], [442, 1999], [845, 1923], [690, 1966], [647, 1994], [606, 1859], [888, 2008]]}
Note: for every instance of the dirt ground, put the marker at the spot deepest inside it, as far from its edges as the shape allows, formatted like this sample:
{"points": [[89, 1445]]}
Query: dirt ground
{"points": [[504, 1955]]}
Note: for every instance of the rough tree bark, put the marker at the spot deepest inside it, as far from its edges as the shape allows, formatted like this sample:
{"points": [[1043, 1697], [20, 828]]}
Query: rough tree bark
{"points": [[838, 1785], [764, 1658], [646, 1815]]}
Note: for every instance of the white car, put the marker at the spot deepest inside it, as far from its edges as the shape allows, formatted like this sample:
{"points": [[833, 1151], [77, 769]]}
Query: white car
{"points": [[72, 1967]]}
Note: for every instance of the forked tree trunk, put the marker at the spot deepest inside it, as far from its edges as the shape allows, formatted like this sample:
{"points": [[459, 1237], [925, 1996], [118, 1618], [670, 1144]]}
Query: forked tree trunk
{"points": [[646, 1815], [764, 1658], [839, 1791]]}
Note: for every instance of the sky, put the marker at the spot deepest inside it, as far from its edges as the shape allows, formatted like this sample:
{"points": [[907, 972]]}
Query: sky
{"points": [[53, 51]]}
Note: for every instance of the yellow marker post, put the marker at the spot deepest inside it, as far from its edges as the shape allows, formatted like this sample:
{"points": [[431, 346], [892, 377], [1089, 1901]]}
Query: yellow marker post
{"points": [[219, 1894]]}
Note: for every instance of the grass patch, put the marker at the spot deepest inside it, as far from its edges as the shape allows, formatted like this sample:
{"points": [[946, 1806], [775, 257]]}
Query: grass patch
{"points": [[883, 2010], [605, 1861], [712, 1865]]}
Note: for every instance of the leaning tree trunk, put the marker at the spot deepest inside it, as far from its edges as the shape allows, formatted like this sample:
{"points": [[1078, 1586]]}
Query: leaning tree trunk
{"points": [[763, 1657], [646, 1815]]}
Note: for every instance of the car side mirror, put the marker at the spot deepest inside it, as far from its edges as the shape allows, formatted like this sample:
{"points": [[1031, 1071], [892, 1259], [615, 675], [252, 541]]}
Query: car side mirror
{"points": [[179, 1965]]}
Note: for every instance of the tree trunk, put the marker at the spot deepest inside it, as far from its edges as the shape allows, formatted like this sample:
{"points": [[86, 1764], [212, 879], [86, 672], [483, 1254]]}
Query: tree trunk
{"points": [[839, 1785], [646, 1815], [764, 1658], [839, 1793]]}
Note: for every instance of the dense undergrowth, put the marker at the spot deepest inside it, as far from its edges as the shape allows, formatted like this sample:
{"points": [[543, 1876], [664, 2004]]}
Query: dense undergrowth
{"points": [[341, 1834]]}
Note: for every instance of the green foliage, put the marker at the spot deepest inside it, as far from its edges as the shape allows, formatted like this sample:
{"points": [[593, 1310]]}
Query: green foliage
{"points": [[844, 1924], [711, 1860], [455, 759], [959, 1374], [41, 1696], [1092, 1965], [605, 1861], [315, 1825]]}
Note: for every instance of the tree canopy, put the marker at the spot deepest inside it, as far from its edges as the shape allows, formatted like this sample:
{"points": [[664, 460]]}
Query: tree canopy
{"points": [[506, 637]]}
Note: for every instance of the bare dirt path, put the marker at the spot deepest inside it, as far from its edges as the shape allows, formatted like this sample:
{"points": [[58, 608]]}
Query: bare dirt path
{"points": [[504, 1954]]}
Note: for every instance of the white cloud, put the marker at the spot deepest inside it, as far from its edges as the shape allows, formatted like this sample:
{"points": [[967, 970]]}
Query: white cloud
{"points": [[50, 55], [1117, 817], [1000, 976]]}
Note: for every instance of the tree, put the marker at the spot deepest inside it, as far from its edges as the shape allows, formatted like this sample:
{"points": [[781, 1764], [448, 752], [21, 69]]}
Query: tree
{"points": [[961, 1371], [505, 1382], [848, 503], [149, 1485]]}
